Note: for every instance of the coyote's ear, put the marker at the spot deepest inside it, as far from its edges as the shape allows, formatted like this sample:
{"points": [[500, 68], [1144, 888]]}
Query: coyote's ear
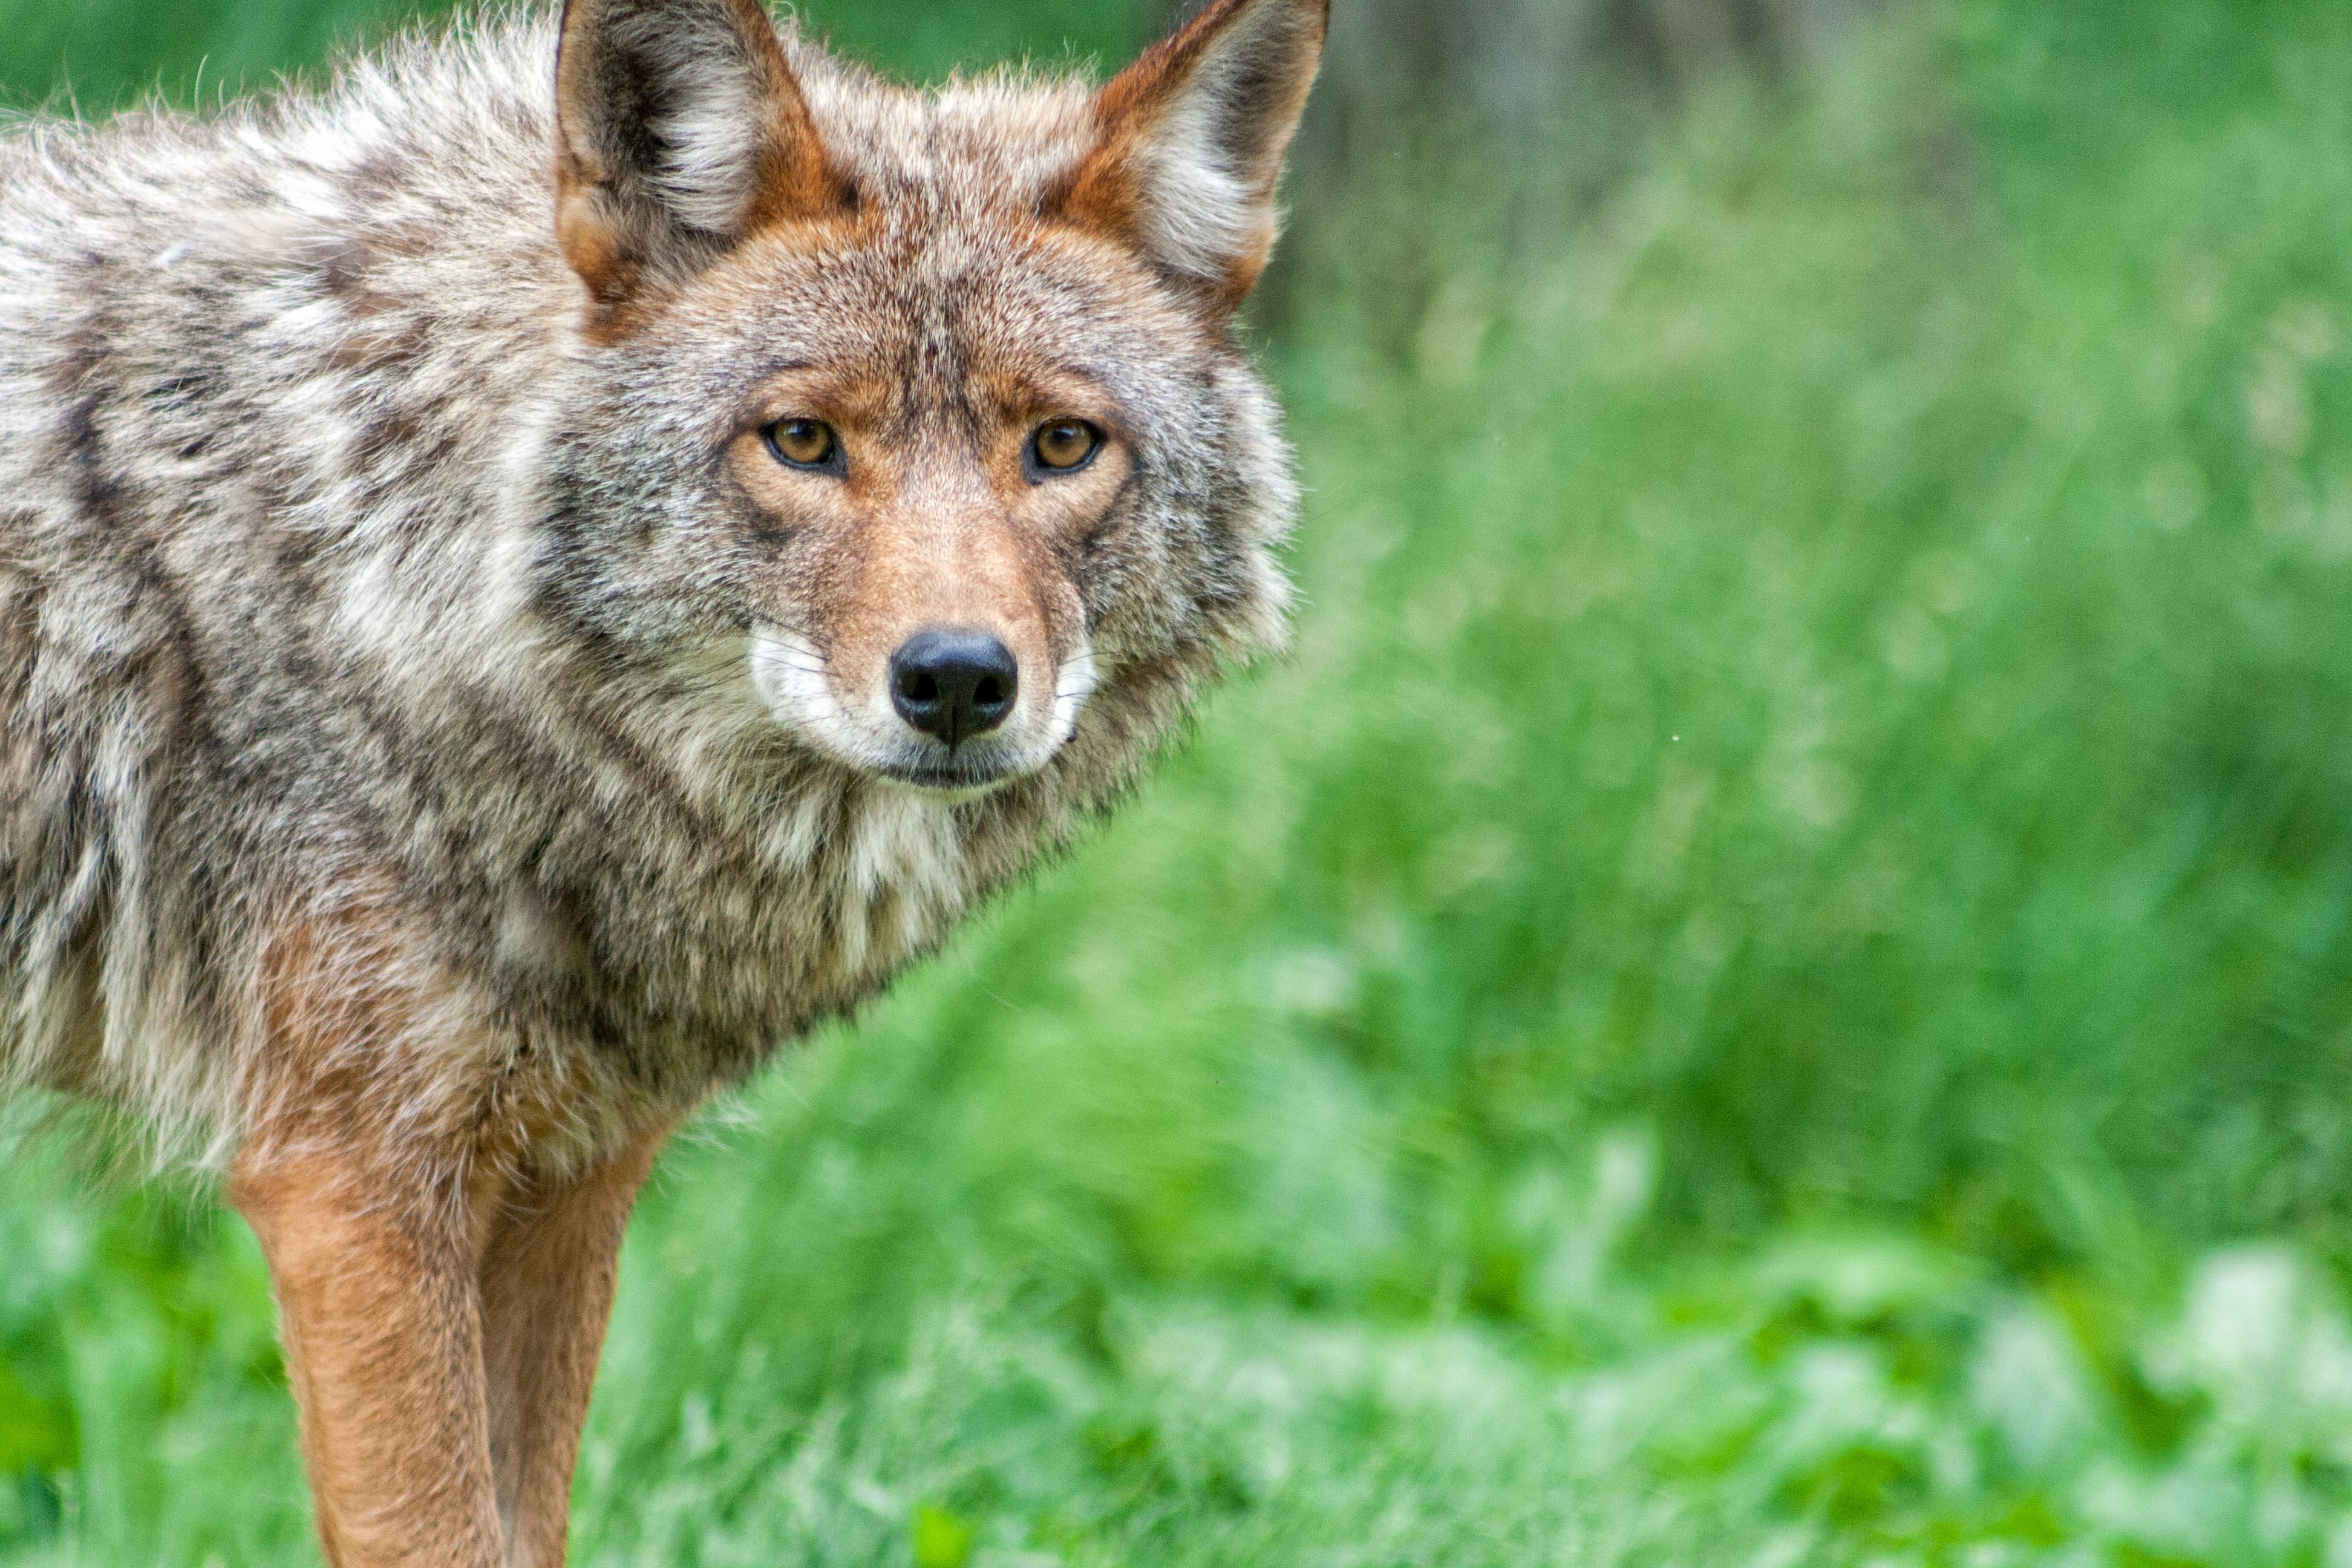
{"points": [[680, 128], [1191, 137]]}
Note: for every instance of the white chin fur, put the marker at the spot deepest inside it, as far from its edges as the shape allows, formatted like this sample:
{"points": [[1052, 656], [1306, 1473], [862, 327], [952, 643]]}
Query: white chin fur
{"points": [[790, 673]]}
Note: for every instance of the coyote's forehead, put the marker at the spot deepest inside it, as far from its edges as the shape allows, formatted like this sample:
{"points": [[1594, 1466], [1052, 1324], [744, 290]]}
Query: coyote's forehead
{"points": [[998, 144], [984, 311], [948, 260]]}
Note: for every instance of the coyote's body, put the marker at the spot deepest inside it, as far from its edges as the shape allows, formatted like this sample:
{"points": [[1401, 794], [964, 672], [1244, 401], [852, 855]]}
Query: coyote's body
{"points": [[450, 731]]}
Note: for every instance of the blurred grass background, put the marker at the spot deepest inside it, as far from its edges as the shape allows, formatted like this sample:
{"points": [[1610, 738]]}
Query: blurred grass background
{"points": [[1770, 985]]}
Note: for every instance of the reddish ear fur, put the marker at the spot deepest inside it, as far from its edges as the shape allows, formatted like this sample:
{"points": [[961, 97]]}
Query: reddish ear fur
{"points": [[680, 128], [1191, 138]]}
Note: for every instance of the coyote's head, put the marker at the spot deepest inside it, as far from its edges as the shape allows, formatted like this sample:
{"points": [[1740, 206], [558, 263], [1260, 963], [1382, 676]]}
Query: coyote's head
{"points": [[927, 404]]}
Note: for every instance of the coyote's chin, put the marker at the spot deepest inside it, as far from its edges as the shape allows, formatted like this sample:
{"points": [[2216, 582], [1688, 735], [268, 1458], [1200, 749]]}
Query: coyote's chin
{"points": [[372, 457]]}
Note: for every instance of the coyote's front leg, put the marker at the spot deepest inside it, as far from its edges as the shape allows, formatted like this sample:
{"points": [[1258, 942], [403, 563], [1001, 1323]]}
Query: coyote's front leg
{"points": [[547, 1279], [442, 1336], [440, 1292], [374, 1270]]}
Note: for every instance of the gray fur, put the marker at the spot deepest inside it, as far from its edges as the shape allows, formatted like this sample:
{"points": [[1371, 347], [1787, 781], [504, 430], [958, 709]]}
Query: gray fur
{"points": [[338, 562]]}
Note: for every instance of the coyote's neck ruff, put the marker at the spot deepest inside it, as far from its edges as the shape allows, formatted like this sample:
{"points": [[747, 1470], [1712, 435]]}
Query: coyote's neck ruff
{"points": [[530, 578]]}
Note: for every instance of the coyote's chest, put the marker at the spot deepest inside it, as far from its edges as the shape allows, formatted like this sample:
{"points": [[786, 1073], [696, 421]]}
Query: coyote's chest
{"points": [[712, 945]]}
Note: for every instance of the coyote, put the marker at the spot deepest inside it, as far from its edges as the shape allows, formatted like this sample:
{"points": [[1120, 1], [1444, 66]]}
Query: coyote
{"points": [[536, 573]]}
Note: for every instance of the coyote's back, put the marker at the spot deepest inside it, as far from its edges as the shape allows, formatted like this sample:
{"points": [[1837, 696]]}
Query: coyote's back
{"points": [[247, 367], [530, 578]]}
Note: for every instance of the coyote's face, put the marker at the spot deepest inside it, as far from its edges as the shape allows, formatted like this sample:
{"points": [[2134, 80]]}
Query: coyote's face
{"points": [[924, 408]]}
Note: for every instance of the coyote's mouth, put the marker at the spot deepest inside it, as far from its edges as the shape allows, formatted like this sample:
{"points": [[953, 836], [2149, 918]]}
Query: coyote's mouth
{"points": [[950, 780]]}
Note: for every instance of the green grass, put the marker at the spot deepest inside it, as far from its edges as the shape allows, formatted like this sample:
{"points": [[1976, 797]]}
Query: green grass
{"points": [[1767, 986]]}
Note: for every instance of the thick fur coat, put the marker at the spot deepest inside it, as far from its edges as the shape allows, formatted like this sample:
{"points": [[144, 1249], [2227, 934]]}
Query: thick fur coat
{"points": [[405, 686]]}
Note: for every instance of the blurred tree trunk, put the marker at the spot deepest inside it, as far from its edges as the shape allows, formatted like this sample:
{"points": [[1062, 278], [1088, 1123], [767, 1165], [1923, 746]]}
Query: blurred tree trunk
{"points": [[1518, 60], [1525, 110]]}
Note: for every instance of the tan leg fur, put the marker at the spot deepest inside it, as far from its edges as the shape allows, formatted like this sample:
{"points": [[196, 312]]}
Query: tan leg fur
{"points": [[379, 1306], [442, 1292], [442, 1344], [547, 1279]]}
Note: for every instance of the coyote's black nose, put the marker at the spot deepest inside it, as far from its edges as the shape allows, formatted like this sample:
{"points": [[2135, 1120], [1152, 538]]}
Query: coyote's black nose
{"points": [[954, 684]]}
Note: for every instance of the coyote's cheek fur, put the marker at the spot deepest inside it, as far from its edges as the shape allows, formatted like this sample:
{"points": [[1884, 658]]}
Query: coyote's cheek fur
{"points": [[531, 577]]}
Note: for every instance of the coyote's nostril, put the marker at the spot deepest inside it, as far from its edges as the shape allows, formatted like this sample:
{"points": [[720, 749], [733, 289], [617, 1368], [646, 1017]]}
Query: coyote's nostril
{"points": [[954, 684]]}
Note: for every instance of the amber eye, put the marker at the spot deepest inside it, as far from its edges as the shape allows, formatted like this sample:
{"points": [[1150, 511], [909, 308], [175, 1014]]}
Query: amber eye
{"points": [[804, 444], [1061, 444]]}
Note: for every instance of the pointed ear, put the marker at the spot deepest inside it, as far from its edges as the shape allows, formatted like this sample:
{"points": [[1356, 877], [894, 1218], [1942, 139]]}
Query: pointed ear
{"points": [[680, 128], [1191, 138]]}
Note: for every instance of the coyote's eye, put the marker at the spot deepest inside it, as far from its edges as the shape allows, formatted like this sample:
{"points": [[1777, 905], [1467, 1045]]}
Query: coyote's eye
{"points": [[804, 444], [1063, 445]]}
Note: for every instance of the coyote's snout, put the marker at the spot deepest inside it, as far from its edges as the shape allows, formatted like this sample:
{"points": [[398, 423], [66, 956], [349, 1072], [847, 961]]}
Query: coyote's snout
{"points": [[531, 578]]}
